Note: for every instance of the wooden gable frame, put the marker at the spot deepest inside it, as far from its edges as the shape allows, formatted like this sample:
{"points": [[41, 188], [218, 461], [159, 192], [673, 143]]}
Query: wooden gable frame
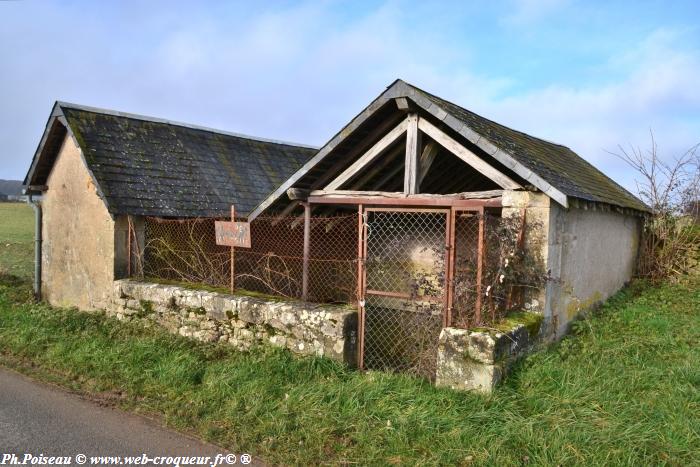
{"points": [[417, 162], [411, 100]]}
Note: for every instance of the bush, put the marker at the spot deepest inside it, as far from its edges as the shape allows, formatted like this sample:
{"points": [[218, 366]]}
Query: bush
{"points": [[670, 246]]}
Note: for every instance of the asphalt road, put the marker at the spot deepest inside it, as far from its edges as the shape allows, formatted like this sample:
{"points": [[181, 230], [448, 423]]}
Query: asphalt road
{"points": [[40, 419]]}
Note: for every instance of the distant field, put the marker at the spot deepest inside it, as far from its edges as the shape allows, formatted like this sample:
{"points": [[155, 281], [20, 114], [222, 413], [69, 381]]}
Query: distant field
{"points": [[16, 239]]}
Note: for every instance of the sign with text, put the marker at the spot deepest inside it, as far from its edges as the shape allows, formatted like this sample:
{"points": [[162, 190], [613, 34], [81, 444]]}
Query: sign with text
{"points": [[234, 234]]}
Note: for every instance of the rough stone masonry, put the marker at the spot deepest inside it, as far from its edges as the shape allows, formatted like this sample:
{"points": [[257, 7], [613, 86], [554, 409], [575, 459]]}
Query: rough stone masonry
{"points": [[479, 360], [466, 360], [303, 328]]}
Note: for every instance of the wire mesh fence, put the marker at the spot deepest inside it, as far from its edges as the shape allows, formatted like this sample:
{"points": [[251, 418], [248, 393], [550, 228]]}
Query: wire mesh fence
{"points": [[478, 250], [493, 271], [419, 270], [482, 289], [405, 259], [186, 250], [274, 264], [401, 335]]}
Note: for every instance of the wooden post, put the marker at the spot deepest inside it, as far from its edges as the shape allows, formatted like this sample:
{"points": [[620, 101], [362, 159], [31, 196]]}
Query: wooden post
{"points": [[307, 244], [450, 253], [128, 246], [233, 263], [413, 143], [479, 268], [360, 288]]}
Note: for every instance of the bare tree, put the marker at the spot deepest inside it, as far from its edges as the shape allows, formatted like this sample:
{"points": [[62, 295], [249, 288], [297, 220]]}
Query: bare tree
{"points": [[671, 242]]}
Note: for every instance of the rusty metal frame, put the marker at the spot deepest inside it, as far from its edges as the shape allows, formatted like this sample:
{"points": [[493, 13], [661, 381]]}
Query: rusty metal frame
{"points": [[479, 267], [233, 255], [449, 275], [362, 270], [306, 253], [481, 247], [421, 204], [361, 283]]}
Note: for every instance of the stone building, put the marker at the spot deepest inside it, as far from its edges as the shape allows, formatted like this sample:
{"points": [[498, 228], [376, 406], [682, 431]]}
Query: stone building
{"points": [[409, 160], [94, 167]]}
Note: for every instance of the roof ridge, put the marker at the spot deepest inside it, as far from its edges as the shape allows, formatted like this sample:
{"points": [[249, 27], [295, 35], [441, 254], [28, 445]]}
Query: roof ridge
{"points": [[485, 118], [146, 118]]}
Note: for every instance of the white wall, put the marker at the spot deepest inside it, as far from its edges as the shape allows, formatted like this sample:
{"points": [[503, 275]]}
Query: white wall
{"points": [[593, 254], [590, 254]]}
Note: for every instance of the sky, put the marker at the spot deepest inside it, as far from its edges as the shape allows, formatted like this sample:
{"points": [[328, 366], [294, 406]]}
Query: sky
{"points": [[590, 75]]}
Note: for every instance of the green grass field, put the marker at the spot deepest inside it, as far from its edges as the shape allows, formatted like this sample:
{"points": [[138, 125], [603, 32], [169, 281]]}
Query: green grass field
{"points": [[16, 239], [624, 389]]}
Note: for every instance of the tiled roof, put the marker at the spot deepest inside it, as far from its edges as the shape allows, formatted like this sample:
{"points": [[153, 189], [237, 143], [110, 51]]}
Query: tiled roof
{"points": [[153, 167], [552, 168], [557, 164]]}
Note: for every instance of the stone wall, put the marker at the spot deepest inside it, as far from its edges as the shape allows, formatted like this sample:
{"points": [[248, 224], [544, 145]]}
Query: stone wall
{"points": [[478, 360], [466, 359], [303, 328], [589, 250], [77, 236]]}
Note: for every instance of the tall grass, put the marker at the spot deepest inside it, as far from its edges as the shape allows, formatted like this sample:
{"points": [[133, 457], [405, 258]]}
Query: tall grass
{"points": [[624, 389]]}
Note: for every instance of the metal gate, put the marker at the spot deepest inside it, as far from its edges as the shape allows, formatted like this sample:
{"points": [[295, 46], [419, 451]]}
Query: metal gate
{"points": [[403, 292]]}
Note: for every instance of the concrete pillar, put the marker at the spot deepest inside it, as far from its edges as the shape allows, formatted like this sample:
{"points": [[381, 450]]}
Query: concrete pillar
{"points": [[543, 236]]}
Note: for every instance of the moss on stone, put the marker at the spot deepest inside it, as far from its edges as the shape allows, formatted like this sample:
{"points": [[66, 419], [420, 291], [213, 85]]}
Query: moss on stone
{"points": [[172, 304], [199, 310], [243, 293], [531, 321], [222, 290], [146, 308]]}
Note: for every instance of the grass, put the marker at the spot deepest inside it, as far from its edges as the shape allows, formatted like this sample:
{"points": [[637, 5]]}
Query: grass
{"points": [[624, 389], [16, 239]]}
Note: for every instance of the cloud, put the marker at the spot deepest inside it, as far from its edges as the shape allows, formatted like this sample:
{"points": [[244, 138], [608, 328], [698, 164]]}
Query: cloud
{"points": [[659, 92], [302, 71]]}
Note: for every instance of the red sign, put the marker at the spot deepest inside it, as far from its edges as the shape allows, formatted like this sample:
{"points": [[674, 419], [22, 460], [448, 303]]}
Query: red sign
{"points": [[234, 234]]}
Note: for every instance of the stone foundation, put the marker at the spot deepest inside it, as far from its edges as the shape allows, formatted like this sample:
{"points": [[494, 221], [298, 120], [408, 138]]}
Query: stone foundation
{"points": [[303, 328], [479, 360], [466, 360]]}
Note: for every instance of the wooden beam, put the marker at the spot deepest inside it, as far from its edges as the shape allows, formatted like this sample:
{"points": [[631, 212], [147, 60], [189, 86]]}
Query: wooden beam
{"points": [[388, 176], [402, 103], [399, 195], [426, 160], [298, 194], [368, 156], [413, 144], [377, 169], [377, 132], [354, 186], [418, 202], [467, 156], [327, 175]]}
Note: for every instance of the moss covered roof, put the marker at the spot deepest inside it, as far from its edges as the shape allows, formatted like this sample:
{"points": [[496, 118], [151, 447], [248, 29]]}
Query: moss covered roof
{"points": [[157, 168], [557, 164], [552, 168]]}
